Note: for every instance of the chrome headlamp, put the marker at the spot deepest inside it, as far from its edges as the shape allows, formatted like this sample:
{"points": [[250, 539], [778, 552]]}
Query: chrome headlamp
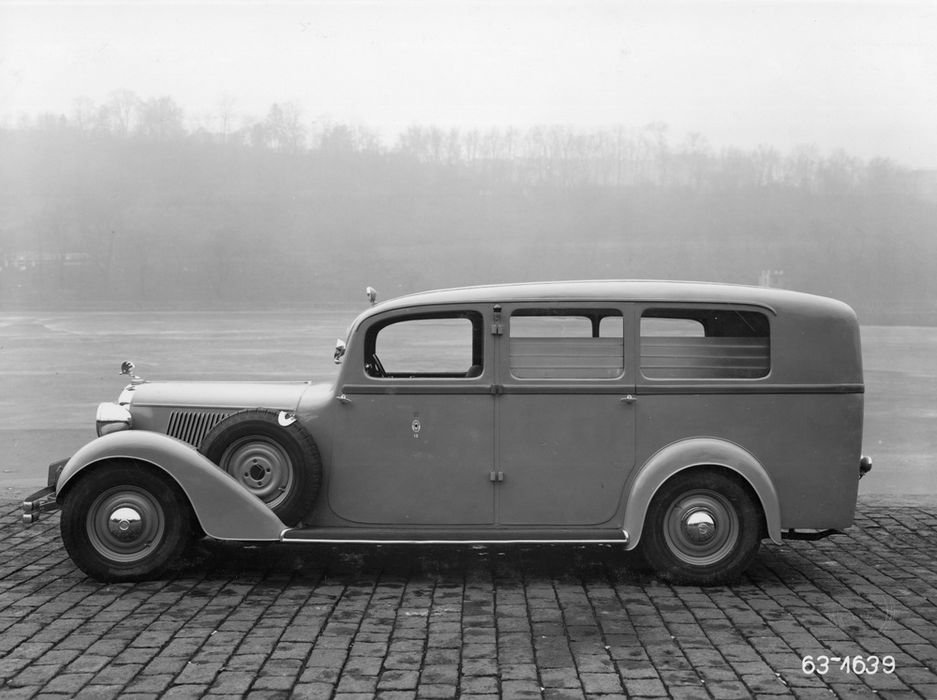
{"points": [[112, 417]]}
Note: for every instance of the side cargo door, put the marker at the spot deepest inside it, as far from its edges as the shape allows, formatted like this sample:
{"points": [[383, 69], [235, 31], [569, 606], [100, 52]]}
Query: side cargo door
{"points": [[565, 413], [414, 441]]}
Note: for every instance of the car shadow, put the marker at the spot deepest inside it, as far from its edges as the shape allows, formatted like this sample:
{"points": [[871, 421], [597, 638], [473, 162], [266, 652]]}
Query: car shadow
{"points": [[358, 563]]}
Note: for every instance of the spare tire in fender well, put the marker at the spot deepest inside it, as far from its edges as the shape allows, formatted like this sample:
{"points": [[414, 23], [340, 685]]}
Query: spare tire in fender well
{"points": [[277, 461]]}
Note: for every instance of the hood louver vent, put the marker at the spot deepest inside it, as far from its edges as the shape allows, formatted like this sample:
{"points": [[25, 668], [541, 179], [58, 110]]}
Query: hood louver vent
{"points": [[193, 426]]}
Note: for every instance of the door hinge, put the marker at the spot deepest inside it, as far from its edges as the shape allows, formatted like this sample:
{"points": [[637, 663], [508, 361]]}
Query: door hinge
{"points": [[496, 476], [497, 329], [497, 389]]}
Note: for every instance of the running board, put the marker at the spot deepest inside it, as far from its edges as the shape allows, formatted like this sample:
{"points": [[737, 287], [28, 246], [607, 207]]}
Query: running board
{"points": [[323, 540], [320, 536]]}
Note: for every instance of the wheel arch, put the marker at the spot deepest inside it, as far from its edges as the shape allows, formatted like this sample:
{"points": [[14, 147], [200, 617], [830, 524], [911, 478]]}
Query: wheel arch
{"points": [[224, 510], [699, 453]]}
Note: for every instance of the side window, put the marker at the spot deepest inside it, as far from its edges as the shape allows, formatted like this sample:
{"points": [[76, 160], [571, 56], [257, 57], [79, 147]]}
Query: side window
{"points": [[705, 344], [437, 345], [566, 344]]}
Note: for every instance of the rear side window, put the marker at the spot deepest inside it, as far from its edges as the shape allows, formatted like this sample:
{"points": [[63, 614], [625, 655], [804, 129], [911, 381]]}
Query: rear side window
{"points": [[566, 344], [705, 344]]}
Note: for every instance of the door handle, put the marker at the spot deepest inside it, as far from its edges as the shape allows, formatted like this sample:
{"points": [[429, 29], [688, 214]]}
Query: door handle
{"points": [[629, 399]]}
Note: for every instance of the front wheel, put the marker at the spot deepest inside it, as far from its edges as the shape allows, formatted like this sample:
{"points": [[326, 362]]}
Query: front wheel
{"points": [[124, 523], [702, 528]]}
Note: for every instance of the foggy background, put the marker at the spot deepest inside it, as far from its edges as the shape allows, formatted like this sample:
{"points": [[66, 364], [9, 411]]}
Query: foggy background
{"points": [[251, 155]]}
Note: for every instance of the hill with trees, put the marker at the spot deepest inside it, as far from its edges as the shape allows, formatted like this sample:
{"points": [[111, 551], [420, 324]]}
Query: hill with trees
{"points": [[126, 203]]}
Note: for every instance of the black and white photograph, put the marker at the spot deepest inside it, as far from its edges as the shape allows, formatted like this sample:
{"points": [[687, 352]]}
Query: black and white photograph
{"points": [[468, 349]]}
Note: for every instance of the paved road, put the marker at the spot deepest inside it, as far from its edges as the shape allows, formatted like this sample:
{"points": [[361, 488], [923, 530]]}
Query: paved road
{"points": [[538, 622]]}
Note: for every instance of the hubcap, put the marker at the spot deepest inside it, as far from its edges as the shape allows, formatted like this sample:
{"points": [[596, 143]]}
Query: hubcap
{"points": [[124, 522], [261, 466], [701, 528]]}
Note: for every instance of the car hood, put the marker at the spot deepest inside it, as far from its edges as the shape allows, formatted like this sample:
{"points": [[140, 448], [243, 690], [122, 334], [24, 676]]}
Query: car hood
{"points": [[283, 396]]}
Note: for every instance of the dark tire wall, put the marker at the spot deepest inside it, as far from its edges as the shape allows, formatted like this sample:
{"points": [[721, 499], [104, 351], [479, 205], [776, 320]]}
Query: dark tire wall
{"points": [[101, 498], [279, 463], [738, 514]]}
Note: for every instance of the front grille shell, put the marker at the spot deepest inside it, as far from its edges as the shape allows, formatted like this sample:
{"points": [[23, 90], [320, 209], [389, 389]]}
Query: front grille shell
{"points": [[193, 425]]}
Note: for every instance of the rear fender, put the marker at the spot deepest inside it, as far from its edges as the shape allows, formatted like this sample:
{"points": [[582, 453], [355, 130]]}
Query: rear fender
{"points": [[224, 509], [699, 452]]}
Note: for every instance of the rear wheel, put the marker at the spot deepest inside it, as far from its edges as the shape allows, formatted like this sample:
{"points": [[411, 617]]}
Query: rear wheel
{"points": [[125, 523], [702, 528]]}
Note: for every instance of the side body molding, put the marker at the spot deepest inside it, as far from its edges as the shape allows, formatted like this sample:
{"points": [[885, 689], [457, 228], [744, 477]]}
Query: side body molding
{"points": [[225, 510], [698, 452]]}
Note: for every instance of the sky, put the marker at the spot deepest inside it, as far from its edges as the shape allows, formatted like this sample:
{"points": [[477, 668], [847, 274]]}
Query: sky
{"points": [[858, 76]]}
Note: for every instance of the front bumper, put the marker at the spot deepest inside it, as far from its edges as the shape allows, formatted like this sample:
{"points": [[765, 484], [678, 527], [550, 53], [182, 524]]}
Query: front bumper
{"points": [[43, 500]]}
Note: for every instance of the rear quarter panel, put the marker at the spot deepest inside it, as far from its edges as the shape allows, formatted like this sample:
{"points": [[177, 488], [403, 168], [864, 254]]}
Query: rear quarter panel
{"points": [[809, 444]]}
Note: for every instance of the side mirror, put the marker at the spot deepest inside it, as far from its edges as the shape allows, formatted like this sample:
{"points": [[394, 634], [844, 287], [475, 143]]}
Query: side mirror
{"points": [[339, 351], [372, 294]]}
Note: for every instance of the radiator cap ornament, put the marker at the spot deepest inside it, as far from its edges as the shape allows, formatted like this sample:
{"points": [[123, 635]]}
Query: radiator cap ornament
{"points": [[127, 367]]}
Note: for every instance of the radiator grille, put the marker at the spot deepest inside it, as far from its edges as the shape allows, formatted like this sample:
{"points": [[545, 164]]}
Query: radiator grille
{"points": [[193, 426]]}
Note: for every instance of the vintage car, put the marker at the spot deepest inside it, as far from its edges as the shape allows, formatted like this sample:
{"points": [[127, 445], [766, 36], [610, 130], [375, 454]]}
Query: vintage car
{"points": [[690, 420]]}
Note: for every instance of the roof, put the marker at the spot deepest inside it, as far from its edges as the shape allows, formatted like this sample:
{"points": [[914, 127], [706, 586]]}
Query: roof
{"points": [[616, 290]]}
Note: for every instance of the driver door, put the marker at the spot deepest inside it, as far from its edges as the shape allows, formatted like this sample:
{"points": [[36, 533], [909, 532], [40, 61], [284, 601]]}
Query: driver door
{"points": [[414, 442]]}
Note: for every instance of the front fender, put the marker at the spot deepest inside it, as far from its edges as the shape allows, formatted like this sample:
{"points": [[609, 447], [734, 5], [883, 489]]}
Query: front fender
{"points": [[699, 452], [225, 510]]}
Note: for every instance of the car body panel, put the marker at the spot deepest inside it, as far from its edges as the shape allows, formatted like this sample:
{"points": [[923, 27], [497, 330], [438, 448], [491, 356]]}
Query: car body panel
{"points": [[419, 458], [225, 510], [563, 468], [278, 395], [566, 432], [154, 402], [698, 452], [490, 456], [819, 445]]}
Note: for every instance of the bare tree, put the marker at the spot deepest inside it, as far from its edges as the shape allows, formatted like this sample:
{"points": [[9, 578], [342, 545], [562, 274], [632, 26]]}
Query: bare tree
{"points": [[368, 140], [161, 119], [337, 139], [284, 128], [123, 106], [801, 167], [225, 115], [657, 152], [84, 113], [768, 165]]}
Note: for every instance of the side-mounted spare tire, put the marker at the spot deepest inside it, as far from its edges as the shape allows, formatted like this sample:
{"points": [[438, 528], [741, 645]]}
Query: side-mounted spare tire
{"points": [[276, 460]]}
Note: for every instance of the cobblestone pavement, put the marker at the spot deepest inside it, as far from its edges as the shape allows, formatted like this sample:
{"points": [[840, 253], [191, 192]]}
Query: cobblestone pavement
{"points": [[538, 622]]}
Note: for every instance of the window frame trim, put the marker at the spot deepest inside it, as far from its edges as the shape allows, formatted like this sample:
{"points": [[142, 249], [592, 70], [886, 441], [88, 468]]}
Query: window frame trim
{"points": [[712, 384], [623, 382], [477, 317]]}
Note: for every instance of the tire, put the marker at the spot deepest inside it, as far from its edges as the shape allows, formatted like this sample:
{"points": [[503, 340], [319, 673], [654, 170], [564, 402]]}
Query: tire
{"points": [[125, 522], [278, 463], [702, 528]]}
